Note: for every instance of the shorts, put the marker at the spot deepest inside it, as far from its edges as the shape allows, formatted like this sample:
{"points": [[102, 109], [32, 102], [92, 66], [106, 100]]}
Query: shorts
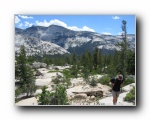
{"points": [[115, 94]]}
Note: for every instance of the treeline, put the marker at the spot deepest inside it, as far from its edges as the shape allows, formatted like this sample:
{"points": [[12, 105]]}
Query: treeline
{"points": [[94, 62]]}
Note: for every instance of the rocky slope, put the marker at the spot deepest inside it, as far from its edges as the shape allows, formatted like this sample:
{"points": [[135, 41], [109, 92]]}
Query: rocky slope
{"points": [[64, 40], [78, 91], [36, 46]]}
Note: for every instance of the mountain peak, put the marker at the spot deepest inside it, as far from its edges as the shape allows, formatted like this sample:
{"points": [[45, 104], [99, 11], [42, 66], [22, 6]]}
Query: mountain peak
{"points": [[68, 39]]}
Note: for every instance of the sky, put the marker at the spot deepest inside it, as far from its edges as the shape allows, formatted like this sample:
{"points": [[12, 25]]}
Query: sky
{"points": [[103, 24]]}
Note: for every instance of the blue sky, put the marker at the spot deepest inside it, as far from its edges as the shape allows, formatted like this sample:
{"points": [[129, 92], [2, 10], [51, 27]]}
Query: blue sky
{"points": [[104, 24]]}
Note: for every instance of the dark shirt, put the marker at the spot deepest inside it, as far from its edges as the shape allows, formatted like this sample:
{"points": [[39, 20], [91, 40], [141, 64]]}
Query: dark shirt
{"points": [[117, 83]]}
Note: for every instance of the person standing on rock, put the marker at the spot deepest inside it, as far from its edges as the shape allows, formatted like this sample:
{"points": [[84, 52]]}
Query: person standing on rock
{"points": [[116, 85]]}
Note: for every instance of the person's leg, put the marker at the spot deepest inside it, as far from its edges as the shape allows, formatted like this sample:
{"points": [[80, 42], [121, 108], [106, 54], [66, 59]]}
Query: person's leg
{"points": [[117, 95], [114, 97], [114, 100]]}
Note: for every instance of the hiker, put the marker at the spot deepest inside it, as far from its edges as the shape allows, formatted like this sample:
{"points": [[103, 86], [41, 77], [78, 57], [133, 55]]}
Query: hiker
{"points": [[116, 85]]}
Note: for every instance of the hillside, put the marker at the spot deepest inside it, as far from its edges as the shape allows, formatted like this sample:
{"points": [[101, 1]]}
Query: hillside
{"points": [[59, 40]]}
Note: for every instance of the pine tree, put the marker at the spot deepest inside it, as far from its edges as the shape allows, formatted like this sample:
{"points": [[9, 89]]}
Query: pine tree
{"points": [[122, 65], [131, 62], [95, 58], [89, 61], [44, 97], [124, 47], [74, 69], [24, 73], [58, 97], [100, 61]]}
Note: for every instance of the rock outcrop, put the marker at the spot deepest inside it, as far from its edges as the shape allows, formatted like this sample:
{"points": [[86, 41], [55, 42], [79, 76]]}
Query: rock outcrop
{"points": [[38, 65]]}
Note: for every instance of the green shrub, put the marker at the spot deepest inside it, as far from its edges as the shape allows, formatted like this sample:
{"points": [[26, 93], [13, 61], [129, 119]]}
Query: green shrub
{"points": [[59, 97], [61, 80], [67, 73], [85, 75], [130, 97], [44, 97], [94, 72], [67, 81], [93, 82], [128, 81], [18, 92], [58, 79], [104, 80]]}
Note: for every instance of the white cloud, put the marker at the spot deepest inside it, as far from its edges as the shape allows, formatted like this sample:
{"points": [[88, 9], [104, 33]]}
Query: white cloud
{"points": [[17, 20], [52, 22], [115, 17], [74, 28], [85, 28], [28, 24], [106, 33], [20, 25], [60, 23], [25, 17]]}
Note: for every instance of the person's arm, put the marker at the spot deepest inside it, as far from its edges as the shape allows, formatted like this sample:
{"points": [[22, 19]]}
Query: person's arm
{"points": [[112, 81]]}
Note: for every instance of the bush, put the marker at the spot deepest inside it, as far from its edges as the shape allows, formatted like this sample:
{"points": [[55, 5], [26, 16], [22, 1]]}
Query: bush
{"points": [[67, 73], [130, 97], [104, 80], [93, 82], [57, 79], [85, 74], [44, 97], [128, 81], [94, 72], [61, 79], [18, 92], [59, 97]]}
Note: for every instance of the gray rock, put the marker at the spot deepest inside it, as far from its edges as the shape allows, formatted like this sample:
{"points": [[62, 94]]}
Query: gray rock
{"points": [[81, 96], [38, 73], [92, 97], [131, 76], [39, 65]]}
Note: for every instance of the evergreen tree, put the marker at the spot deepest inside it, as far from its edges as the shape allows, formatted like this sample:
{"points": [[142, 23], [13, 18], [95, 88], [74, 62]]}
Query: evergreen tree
{"points": [[124, 47], [24, 73], [86, 74], [89, 61], [122, 64], [74, 69], [100, 61], [46, 60], [95, 58], [104, 64], [131, 62], [44, 97], [59, 97]]}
